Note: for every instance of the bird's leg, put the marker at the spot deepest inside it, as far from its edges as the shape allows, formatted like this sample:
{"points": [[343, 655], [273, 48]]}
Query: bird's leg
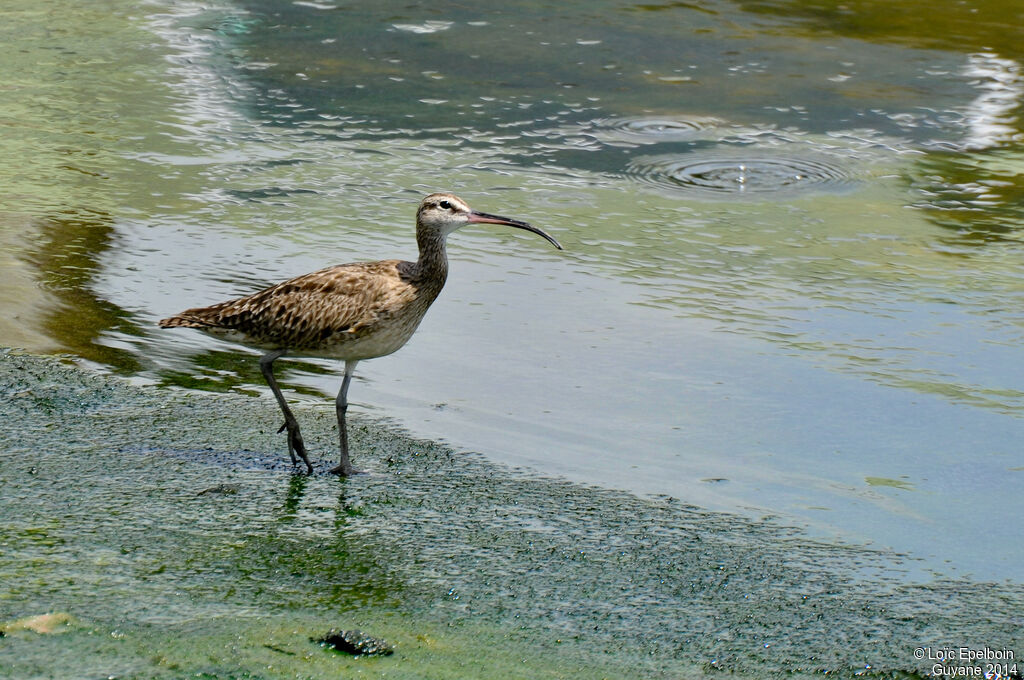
{"points": [[344, 467], [295, 443]]}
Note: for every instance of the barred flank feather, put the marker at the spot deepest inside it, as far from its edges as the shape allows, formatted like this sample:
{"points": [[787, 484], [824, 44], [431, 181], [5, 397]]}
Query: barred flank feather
{"points": [[355, 310]]}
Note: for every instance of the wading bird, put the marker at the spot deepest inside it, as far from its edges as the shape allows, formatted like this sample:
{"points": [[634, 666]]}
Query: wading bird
{"points": [[352, 311]]}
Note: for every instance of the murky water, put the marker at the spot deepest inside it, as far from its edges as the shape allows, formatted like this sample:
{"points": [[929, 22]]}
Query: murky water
{"points": [[792, 278]]}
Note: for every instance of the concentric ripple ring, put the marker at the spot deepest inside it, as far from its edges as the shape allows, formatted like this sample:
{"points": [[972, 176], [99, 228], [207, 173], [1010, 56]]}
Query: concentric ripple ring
{"points": [[650, 129], [733, 174]]}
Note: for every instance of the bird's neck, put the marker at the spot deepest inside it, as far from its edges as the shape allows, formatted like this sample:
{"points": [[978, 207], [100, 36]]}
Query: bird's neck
{"points": [[432, 265]]}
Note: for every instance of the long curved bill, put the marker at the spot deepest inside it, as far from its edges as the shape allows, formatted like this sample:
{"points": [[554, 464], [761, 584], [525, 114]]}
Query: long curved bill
{"points": [[485, 218]]}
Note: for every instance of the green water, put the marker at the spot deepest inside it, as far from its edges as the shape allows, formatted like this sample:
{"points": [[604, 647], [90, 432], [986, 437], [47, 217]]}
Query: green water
{"points": [[791, 288]]}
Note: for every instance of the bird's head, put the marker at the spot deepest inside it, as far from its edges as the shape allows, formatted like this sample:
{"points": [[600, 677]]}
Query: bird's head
{"points": [[442, 214]]}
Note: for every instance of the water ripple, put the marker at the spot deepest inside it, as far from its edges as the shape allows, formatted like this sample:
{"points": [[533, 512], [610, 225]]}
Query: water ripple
{"points": [[640, 129], [750, 172]]}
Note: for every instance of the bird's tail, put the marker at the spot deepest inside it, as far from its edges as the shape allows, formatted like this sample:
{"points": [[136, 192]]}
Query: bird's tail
{"points": [[183, 320]]}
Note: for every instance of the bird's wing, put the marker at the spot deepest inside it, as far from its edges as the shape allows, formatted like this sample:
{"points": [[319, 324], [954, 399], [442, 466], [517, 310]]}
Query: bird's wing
{"points": [[307, 309]]}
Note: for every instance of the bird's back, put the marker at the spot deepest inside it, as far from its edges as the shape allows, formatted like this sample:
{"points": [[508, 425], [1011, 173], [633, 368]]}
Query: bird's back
{"points": [[352, 311]]}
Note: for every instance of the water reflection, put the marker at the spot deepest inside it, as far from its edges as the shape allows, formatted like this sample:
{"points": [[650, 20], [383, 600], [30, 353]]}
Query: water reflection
{"points": [[68, 257], [486, 70], [958, 27], [991, 118], [976, 195]]}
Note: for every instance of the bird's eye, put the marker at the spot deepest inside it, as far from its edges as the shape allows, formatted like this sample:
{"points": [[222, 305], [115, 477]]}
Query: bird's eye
{"points": [[446, 205]]}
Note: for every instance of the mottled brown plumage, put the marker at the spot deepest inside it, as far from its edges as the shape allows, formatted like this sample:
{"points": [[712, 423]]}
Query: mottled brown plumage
{"points": [[352, 311]]}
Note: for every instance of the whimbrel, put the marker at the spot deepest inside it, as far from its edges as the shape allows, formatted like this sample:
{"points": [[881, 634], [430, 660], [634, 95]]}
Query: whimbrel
{"points": [[352, 311]]}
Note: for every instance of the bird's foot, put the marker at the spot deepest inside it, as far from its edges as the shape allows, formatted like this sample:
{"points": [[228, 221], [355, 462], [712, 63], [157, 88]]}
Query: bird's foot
{"points": [[296, 445], [345, 470]]}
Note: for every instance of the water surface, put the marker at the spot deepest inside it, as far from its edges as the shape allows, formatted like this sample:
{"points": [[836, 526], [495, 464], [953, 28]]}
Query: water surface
{"points": [[792, 277]]}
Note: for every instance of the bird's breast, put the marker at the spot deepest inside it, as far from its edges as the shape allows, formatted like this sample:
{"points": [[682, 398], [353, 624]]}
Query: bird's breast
{"points": [[374, 340], [378, 330]]}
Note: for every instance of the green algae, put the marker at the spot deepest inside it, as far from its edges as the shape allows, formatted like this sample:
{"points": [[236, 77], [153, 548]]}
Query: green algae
{"points": [[171, 528]]}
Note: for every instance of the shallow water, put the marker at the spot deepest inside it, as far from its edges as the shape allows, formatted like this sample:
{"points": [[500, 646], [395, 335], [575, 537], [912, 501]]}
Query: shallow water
{"points": [[791, 283]]}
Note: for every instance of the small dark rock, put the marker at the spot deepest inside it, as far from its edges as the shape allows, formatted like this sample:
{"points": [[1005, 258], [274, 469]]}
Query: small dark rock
{"points": [[355, 642]]}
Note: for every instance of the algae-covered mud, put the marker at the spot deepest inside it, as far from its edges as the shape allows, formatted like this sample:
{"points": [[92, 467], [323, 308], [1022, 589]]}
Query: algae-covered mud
{"points": [[172, 540]]}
